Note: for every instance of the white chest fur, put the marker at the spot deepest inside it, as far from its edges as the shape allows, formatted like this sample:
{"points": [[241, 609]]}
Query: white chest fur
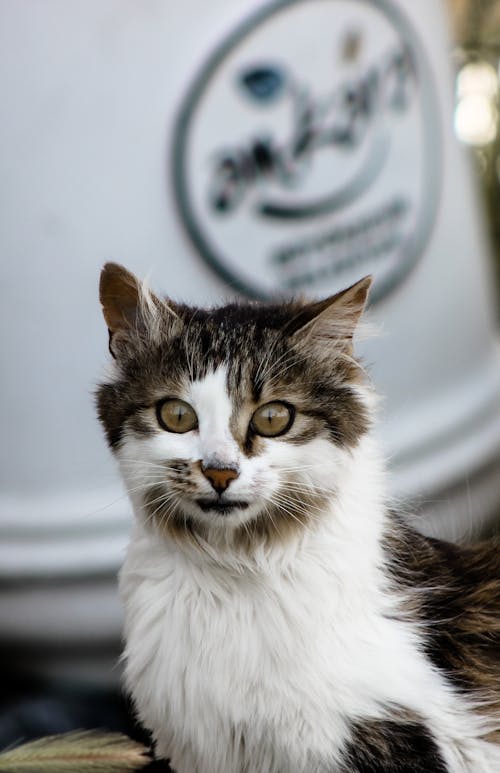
{"points": [[261, 667], [262, 672]]}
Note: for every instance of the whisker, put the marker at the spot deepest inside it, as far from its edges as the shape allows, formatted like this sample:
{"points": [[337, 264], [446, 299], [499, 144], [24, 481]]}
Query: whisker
{"points": [[304, 508], [269, 514], [143, 486], [146, 463], [286, 505], [310, 487], [165, 498], [272, 380], [166, 515], [306, 466]]}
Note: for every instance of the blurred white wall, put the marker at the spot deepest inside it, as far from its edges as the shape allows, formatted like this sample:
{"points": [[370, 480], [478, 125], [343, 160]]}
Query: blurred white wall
{"points": [[90, 94]]}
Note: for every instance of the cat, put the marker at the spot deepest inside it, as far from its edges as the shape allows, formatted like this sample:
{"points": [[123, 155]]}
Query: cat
{"points": [[279, 617]]}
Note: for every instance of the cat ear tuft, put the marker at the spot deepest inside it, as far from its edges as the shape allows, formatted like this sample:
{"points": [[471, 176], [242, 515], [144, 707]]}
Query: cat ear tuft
{"points": [[130, 308], [333, 318]]}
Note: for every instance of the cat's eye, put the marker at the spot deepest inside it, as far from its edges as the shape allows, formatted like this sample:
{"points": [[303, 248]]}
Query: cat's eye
{"points": [[272, 419], [176, 415]]}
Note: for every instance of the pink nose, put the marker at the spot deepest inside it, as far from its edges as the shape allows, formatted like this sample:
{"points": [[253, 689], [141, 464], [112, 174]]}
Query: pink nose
{"points": [[219, 478]]}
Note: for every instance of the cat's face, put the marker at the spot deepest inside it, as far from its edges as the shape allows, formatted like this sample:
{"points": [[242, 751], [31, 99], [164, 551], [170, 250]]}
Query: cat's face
{"points": [[236, 419]]}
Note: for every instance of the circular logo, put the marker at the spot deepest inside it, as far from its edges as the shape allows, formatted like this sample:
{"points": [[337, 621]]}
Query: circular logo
{"points": [[306, 154]]}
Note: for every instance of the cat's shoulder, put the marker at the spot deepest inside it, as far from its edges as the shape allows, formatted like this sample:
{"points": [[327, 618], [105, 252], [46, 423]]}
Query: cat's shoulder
{"points": [[453, 592], [467, 569]]}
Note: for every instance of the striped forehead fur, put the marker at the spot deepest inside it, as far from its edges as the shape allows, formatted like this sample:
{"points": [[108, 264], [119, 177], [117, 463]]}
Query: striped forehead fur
{"points": [[251, 341]]}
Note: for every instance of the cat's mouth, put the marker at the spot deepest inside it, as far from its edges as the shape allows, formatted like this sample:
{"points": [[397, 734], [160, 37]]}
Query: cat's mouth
{"points": [[222, 507]]}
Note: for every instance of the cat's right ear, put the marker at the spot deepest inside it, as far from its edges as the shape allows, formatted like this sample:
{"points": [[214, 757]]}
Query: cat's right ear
{"points": [[131, 311], [334, 319]]}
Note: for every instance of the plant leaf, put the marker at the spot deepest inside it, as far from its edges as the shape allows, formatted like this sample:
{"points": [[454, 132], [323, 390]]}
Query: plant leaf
{"points": [[77, 752]]}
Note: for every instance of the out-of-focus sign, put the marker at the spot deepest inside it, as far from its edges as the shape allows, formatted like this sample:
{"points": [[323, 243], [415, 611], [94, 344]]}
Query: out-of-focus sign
{"points": [[306, 153]]}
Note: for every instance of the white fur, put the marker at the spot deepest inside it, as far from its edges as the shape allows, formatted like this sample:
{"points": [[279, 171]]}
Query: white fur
{"points": [[287, 645]]}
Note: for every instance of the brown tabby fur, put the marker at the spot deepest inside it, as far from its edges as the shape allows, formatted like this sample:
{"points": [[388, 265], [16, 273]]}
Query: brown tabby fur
{"points": [[455, 592]]}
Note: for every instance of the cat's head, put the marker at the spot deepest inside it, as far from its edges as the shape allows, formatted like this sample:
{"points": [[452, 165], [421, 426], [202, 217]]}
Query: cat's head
{"points": [[236, 419]]}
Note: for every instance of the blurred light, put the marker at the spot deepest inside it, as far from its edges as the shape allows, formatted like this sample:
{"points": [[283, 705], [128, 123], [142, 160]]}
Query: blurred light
{"points": [[477, 78], [476, 120], [476, 114]]}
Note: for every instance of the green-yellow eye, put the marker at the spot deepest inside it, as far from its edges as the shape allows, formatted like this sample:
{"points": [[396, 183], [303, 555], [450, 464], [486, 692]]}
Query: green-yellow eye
{"points": [[272, 419], [176, 416]]}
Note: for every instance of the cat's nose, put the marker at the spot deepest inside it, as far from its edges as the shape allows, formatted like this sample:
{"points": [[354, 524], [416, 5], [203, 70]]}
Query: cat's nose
{"points": [[219, 477]]}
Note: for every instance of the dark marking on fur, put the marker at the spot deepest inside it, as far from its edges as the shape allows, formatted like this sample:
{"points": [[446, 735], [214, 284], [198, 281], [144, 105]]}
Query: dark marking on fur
{"points": [[243, 338], [454, 592], [115, 409], [392, 746]]}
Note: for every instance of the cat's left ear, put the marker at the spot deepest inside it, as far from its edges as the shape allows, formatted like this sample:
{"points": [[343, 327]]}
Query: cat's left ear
{"points": [[333, 319]]}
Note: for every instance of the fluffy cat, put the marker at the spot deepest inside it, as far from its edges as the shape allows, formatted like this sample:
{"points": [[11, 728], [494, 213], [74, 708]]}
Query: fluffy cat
{"points": [[279, 617]]}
